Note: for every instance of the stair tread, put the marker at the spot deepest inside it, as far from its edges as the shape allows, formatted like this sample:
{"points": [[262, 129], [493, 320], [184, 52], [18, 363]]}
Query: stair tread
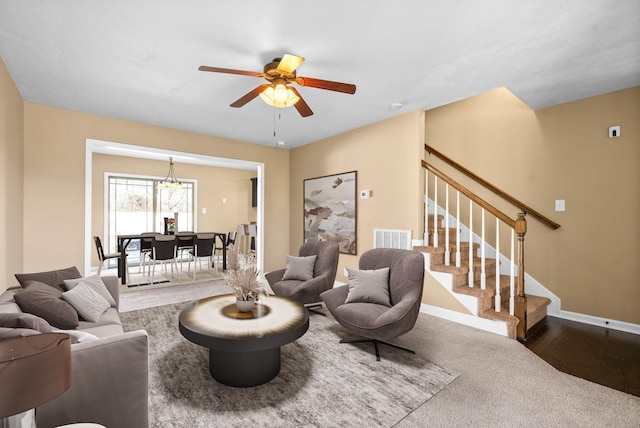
{"points": [[536, 305]]}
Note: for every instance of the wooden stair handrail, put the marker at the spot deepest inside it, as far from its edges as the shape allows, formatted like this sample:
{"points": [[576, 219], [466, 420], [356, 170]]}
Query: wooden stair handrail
{"points": [[469, 194], [526, 209]]}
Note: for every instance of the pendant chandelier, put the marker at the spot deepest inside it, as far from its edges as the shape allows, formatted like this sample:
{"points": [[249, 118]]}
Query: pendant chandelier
{"points": [[170, 182]]}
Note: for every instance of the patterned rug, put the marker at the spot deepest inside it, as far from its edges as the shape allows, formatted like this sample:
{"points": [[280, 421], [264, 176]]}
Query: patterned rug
{"points": [[321, 382]]}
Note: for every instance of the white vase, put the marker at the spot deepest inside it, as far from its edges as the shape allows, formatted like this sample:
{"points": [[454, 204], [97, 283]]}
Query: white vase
{"points": [[244, 305]]}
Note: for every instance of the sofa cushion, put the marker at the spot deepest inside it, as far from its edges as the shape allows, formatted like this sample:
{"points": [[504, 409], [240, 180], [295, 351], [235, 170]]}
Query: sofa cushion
{"points": [[300, 268], [102, 330], [46, 302], [88, 302], [24, 320], [369, 286], [53, 278], [7, 332], [77, 336], [96, 283], [9, 307]]}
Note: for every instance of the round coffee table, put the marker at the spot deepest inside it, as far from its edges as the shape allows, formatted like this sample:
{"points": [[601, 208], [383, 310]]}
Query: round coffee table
{"points": [[244, 347]]}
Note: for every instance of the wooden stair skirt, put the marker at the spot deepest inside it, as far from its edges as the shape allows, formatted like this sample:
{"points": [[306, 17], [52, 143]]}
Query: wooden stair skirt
{"points": [[536, 305]]}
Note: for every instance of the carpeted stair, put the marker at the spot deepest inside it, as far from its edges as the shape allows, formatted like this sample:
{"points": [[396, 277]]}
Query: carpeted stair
{"points": [[536, 305]]}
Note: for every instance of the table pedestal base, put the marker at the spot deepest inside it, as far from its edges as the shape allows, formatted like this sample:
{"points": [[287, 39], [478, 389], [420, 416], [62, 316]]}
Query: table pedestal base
{"points": [[243, 369]]}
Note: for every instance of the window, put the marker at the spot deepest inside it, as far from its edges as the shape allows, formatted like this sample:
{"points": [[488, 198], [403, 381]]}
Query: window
{"points": [[134, 205]]}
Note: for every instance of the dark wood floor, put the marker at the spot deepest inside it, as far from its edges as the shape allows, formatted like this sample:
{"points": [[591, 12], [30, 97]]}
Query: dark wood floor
{"points": [[601, 355]]}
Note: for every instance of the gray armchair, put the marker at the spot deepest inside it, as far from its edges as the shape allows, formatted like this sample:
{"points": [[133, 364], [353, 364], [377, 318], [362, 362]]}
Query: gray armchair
{"points": [[375, 321], [307, 292]]}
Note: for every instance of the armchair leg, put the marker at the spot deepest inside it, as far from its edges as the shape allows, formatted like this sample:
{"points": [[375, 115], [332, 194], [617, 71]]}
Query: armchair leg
{"points": [[375, 344], [313, 308]]}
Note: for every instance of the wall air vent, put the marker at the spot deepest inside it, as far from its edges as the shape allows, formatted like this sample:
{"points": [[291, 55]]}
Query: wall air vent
{"points": [[392, 238]]}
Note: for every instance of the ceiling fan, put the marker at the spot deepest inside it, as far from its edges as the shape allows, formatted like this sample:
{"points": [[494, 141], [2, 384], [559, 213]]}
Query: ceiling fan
{"points": [[280, 73]]}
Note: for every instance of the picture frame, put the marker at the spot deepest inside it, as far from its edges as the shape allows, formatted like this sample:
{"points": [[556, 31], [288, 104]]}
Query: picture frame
{"points": [[330, 210]]}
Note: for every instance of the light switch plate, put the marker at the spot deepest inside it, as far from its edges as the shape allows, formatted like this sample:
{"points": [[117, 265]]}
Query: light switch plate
{"points": [[559, 204]]}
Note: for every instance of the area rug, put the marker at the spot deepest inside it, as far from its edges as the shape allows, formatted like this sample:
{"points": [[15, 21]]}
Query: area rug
{"points": [[321, 382], [138, 279], [140, 282]]}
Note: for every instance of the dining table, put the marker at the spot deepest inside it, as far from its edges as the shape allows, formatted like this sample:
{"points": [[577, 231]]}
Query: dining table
{"points": [[125, 240]]}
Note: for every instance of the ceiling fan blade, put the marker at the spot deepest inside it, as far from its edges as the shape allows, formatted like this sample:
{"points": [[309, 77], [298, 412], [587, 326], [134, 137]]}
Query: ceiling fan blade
{"points": [[301, 105], [250, 95], [289, 63], [346, 88], [230, 71]]}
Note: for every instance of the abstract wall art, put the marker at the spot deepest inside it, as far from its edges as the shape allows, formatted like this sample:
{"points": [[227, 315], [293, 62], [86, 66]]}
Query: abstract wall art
{"points": [[330, 210]]}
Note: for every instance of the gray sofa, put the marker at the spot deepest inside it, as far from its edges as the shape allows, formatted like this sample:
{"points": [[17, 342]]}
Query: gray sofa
{"points": [[109, 384]]}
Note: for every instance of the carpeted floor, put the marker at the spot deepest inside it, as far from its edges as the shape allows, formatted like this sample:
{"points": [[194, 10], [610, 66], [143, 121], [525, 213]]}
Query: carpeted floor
{"points": [[321, 382], [501, 383]]}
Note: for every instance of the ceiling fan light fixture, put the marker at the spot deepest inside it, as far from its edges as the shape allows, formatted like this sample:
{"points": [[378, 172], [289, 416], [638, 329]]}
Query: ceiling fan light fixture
{"points": [[279, 95]]}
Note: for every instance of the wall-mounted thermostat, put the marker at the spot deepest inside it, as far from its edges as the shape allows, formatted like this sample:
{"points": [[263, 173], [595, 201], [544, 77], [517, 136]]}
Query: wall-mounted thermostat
{"points": [[614, 131], [365, 194]]}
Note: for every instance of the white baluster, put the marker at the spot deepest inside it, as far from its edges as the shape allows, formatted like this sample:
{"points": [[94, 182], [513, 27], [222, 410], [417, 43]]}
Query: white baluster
{"points": [[483, 271], [426, 208], [458, 258], [471, 276], [435, 213], [447, 244], [512, 275], [498, 297]]}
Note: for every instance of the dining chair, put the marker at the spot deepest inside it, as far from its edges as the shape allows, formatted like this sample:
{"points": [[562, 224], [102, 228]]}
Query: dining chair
{"points": [[184, 244], [203, 247], [163, 248], [219, 249], [102, 256], [145, 249]]}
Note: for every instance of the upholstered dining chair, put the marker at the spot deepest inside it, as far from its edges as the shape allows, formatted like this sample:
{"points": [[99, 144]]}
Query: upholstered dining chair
{"points": [[308, 275], [219, 250], [102, 256], [382, 299], [203, 247], [145, 249], [163, 248], [184, 244]]}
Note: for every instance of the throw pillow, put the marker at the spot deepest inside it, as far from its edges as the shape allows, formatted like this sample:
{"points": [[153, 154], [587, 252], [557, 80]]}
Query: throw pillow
{"points": [[53, 278], [96, 283], [300, 268], [88, 302], [369, 286], [46, 302], [25, 320]]}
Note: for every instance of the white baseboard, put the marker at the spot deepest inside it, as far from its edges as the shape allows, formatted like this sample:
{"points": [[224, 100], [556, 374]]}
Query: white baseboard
{"points": [[492, 326], [598, 321]]}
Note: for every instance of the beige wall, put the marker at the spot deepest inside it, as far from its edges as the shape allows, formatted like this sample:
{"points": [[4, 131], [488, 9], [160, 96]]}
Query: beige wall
{"points": [[54, 145], [560, 152], [213, 185], [11, 182], [386, 156]]}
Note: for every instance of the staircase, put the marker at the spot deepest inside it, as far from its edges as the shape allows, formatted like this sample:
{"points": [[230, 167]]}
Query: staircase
{"points": [[485, 298]]}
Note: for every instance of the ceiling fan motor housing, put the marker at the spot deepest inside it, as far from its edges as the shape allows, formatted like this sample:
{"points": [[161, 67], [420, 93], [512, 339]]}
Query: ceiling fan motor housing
{"points": [[272, 72]]}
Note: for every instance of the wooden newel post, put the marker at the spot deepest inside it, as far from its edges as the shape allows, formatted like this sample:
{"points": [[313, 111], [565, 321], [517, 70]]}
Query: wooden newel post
{"points": [[520, 301]]}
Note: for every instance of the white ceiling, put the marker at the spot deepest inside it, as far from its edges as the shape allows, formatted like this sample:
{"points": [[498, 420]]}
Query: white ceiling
{"points": [[139, 60]]}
